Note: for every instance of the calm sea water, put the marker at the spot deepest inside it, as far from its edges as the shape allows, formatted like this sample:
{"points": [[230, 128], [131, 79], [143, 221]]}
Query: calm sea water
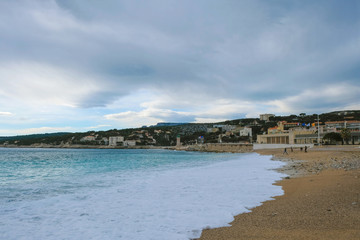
{"points": [[127, 194]]}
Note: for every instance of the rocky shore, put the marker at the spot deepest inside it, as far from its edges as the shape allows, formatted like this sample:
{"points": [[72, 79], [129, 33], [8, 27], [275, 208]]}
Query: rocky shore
{"points": [[321, 200]]}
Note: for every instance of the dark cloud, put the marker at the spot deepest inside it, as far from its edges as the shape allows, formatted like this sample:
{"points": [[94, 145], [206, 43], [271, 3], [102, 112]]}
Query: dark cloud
{"points": [[245, 50]]}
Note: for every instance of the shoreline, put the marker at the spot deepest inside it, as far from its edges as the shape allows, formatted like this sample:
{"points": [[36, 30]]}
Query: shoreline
{"points": [[321, 199], [207, 147], [45, 146]]}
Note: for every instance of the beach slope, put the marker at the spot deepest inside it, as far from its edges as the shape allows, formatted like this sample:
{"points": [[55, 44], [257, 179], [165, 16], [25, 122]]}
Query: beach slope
{"points": [[321, 200]]}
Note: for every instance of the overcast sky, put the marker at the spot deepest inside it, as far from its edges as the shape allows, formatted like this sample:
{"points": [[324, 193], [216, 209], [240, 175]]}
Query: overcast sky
{"points": [[79, 65]]}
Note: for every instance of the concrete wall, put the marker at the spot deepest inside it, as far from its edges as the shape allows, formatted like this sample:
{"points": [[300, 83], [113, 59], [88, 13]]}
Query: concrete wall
{"points": [[257, 146]]}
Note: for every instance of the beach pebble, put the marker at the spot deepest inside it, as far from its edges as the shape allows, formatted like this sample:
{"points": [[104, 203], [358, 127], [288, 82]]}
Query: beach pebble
{"points": [[354, 203]]}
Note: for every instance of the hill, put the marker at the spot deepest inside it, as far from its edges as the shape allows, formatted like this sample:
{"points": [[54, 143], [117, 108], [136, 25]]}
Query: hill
{"points": [[164, 134]]}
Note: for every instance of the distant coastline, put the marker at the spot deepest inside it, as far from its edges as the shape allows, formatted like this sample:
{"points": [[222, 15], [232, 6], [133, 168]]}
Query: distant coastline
{"points": [[81, 146], [208, 147]]}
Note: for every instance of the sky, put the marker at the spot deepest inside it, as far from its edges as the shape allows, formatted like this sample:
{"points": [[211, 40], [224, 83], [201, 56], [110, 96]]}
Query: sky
{"points": [[83, 65]]}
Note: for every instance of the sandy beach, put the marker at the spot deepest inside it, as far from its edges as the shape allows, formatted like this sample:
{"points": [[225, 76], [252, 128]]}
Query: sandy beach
{"points": [[321, 199]]}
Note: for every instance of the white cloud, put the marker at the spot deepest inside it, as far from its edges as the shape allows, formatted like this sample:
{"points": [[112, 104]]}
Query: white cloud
{"points": [[51, 17], [209, 120], [132, 119], [41, 84], [39, 130], [318, 99], [99, 126], [5, 114], [157, 109]]}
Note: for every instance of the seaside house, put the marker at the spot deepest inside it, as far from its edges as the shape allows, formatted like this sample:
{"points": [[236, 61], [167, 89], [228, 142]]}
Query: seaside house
{"points": [[275, 130], [113, 141], [289, 133], [274, 138], [353, 126], [245, 132]]}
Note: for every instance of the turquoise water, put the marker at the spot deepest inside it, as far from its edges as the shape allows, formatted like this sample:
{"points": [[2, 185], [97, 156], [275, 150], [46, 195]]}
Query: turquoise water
{"points": [[35, 173], [126, 194]]}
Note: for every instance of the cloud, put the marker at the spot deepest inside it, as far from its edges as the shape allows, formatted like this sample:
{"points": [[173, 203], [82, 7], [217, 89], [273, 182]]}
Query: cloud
{"points": [[156, 109], [5, 114], [209, 120], [35, 83], [315, 100], [39, 130], [325, 98], [99, 126], [79, 61]]}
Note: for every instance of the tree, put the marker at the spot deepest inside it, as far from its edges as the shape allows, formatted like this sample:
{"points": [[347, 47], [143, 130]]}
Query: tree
{"points": [[333, 137], [346, 135]]}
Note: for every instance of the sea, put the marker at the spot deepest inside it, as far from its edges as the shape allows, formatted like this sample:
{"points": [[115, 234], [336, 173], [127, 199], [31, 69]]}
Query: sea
{"points": [[128, 193]]}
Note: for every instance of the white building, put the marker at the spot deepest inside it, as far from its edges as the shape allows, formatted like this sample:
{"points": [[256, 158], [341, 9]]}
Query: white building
{"points": [[266, 116], [245, 131], [338, 125], [113, 141]]}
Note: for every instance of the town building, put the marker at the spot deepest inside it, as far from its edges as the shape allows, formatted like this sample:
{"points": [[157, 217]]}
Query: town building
{"points": [[353, 126], [275, 138], [113, 141], [293, 136], [285, 134], [245, 132], [266, 117]]}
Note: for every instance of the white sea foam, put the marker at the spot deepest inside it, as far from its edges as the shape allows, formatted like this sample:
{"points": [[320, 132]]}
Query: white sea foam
{"points": [[166, 204]]}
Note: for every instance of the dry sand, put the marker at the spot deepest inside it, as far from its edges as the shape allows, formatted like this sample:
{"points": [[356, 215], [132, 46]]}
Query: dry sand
{"points": [[321, 200]]}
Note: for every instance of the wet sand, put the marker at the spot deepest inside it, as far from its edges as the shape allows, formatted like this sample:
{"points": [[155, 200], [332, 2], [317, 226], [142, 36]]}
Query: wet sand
{"points": [[321, 200]]}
